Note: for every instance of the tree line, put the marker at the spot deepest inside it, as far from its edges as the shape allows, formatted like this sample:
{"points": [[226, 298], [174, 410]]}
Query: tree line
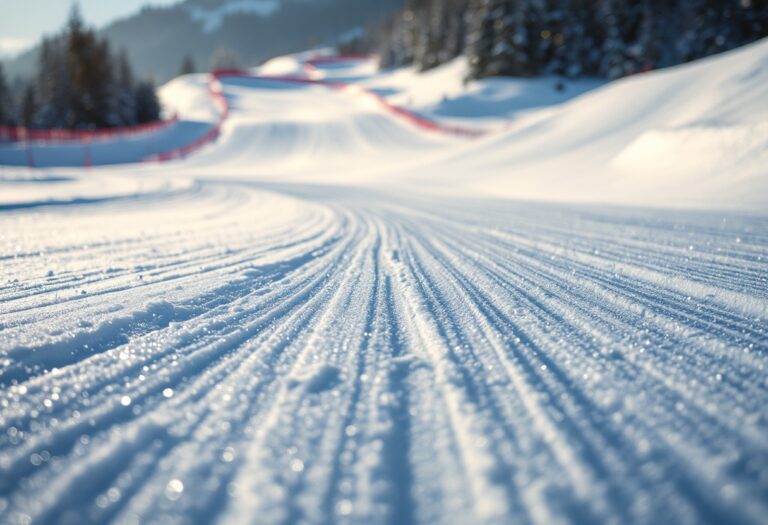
{"points": [[600, 38], [79, 84]]}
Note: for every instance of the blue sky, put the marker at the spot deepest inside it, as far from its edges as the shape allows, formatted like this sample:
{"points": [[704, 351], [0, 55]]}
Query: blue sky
{"points": [[23, 22]]}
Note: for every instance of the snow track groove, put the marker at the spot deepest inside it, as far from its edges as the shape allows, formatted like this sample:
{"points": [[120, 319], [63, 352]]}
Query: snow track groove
{"points": [[290, 354]]}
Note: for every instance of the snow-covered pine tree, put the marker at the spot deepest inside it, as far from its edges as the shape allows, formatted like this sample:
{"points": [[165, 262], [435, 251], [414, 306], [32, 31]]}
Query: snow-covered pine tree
{"points": [[712, 26], [608, 38], [620, 23], [410, 29], [403, 37], [579, 39], [453, 28], [418, 33], [551, 16], [53, 86], [391, 45], [480, 37], [434, 14], [437, 29], [512, 48]]}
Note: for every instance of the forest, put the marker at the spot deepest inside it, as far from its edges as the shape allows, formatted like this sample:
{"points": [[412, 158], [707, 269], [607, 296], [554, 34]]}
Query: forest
{"points": [[80, 83], [599, 38]]}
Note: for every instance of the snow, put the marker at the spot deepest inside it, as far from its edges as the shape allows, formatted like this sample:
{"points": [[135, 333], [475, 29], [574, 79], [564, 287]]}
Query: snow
{"points": [[134, 148], [330, 315], [188, 95], [443, 92], [693, 135]]}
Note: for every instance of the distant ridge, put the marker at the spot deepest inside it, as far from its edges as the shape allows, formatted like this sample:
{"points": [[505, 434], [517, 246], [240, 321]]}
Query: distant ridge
{"points": [[157, 39]]}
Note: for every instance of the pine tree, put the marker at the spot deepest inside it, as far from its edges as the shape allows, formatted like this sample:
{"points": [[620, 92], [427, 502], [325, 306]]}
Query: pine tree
{"points": [[187, 66], [552, 53], [444, 22], [608, 38], [659, 33], [480, 38], [7, 110], [621, 24], [146, 103], [92, 76], [124, 100], [29, 107], [453, 27], [80, 83], [54, 86], [579, 38], [510, 54], [421, 35], [391, 42]]}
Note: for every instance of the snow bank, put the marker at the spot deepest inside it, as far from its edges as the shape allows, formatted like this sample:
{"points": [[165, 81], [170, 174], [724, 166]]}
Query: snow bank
{"points": [[443, 92], [691, 135], [188, 95]]}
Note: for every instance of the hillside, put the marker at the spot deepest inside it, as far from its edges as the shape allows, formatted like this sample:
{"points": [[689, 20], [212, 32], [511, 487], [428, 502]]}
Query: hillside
{"points": [[535, 302], [694, 134]]}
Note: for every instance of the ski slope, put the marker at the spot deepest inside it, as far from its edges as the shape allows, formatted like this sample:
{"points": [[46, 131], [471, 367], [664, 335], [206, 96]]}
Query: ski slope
{"points": [[316, 320]]}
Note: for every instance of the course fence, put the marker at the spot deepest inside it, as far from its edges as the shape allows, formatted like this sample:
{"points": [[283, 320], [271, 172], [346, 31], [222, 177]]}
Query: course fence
{"points": [[414, 118], [22, 134], [217, 94], [36, 136]]}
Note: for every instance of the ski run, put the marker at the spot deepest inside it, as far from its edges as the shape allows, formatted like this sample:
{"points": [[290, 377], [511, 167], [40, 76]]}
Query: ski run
{"points": [[329, 315]]}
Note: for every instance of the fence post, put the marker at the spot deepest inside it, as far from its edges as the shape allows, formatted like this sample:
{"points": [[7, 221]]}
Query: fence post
{"points": [[28, 143], [88, 160]]}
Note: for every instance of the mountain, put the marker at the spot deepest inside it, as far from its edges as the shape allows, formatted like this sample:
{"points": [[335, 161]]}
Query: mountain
{"points": [[158, 38]]}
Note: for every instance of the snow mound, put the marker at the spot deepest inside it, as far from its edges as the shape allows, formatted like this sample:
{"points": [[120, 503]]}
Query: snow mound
{"points": [[443, 92], [188, 96], [689, 135], [316, 379], [694, 149]]}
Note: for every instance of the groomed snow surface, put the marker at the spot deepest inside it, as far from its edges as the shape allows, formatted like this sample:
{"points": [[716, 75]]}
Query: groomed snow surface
{"points": [[331, 316]]}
